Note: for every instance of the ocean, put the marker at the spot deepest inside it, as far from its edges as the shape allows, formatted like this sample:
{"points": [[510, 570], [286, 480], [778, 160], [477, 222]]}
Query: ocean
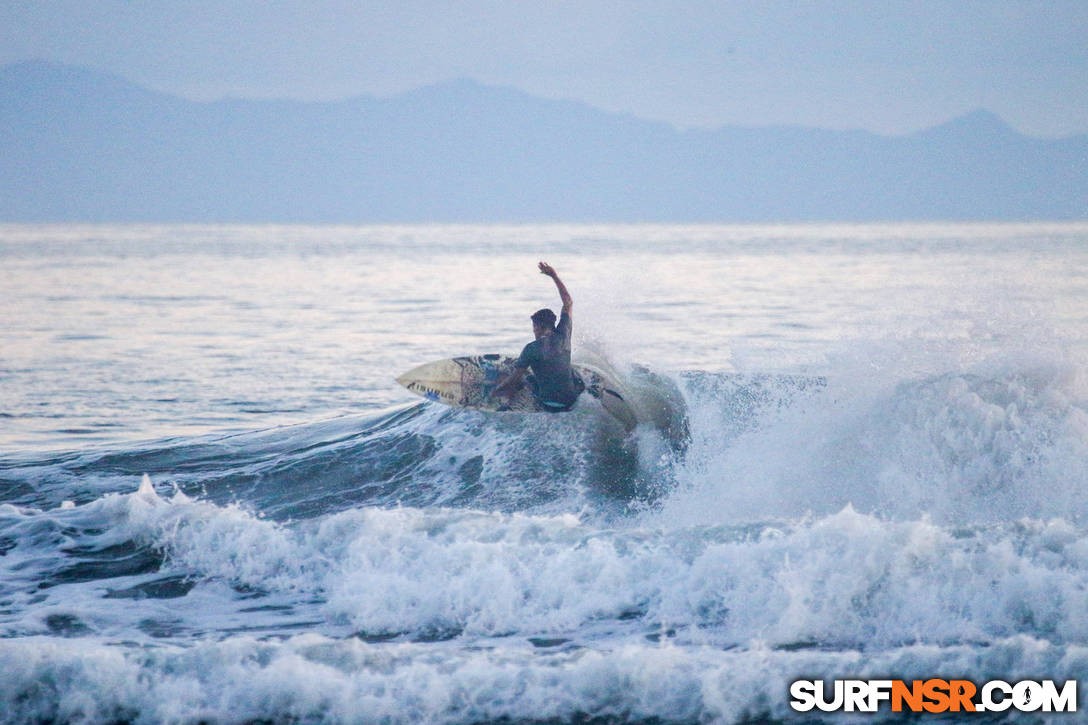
{"points": [[217, 505]]}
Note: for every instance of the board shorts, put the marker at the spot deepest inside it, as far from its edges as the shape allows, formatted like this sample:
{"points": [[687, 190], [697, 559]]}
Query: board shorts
{"points": [[552, 406]]}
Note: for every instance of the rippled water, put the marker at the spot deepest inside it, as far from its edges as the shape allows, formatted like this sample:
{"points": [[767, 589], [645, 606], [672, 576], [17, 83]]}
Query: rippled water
{"points": [[886, 472]]}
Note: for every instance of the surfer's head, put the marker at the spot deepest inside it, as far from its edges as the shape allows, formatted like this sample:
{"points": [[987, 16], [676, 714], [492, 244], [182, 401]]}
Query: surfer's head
{"points": [[543, 322]]}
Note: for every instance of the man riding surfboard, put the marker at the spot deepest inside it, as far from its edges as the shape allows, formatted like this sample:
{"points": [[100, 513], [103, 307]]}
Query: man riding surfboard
{"points": [[554, 383]]}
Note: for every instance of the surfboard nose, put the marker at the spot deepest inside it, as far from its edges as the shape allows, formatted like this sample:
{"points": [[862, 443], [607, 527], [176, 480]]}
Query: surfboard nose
{"points": [[426, 371]]}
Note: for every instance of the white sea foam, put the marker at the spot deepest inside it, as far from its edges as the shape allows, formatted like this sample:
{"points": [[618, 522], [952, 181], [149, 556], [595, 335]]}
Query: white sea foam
{"points": [[983, 446], [845, 580], [313, 678]]}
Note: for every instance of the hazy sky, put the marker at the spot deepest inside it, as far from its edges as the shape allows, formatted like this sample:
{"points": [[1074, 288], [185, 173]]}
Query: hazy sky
{"points": [[885, 65]]}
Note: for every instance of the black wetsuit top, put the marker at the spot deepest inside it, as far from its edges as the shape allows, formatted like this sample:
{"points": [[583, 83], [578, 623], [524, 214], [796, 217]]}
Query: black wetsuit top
{"points": [[554, 383]]}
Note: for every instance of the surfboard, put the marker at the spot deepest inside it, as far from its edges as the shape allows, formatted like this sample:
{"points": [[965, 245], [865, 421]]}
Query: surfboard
{"points": [[467, 382]]}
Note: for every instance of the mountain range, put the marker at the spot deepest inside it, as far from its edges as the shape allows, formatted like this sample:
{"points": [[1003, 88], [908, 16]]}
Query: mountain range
{"points": [[79, 145]]}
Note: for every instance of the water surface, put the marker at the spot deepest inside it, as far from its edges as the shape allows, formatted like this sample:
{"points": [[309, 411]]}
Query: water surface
{"points": [[887, 470]]}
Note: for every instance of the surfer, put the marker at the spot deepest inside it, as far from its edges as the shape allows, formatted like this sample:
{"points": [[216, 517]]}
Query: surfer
{"points": [[554, 383]]}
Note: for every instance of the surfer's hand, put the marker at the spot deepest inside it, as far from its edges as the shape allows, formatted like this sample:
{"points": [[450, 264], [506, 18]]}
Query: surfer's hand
{"points": [[546, 268]]}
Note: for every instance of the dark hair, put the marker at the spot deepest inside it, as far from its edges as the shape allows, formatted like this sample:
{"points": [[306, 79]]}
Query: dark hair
{"points": [[544, 318]]}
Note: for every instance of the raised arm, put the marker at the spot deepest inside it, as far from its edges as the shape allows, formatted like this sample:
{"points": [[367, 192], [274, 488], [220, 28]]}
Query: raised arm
{"points": [[564, 296]]}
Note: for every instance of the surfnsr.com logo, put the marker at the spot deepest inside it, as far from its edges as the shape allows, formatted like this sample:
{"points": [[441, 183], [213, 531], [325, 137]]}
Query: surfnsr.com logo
{"points": [[934, 695]]}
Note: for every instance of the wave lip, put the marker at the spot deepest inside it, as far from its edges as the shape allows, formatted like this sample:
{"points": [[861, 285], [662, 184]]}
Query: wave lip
{"points": [[413, 455]]}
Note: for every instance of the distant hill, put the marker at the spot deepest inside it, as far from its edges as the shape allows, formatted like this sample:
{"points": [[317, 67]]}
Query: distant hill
{"points": [[77, 145]]}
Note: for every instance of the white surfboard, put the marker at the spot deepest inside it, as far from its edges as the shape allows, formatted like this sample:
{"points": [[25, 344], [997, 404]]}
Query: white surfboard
{"points": [[467, 382]]}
